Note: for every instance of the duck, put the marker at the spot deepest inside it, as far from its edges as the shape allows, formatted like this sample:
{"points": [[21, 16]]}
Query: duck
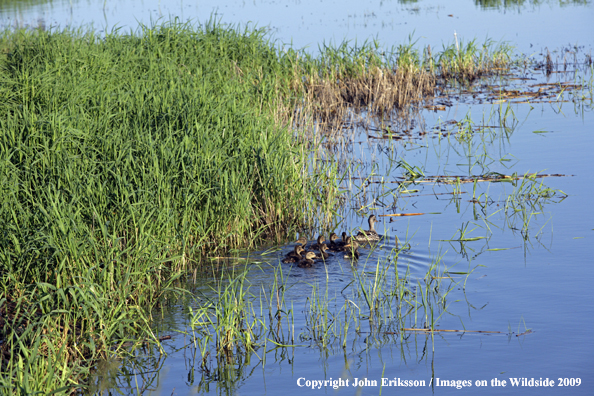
{"points": [[335, 240], [323, 255], [347, 244], [302, 240], [308, 261], [320, 241], [369, 235], [352, 250], [295, 255], [336, 244]]}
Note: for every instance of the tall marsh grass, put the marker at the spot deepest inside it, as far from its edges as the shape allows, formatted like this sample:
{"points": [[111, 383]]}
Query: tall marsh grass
{"points": [[122, 159]]}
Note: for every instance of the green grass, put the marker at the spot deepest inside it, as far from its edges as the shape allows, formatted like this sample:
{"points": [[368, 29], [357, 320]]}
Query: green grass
{"points": [[122, 160], [466, 62]]}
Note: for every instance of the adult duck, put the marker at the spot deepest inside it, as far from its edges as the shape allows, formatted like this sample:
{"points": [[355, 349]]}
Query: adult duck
{"points": [[369, 235], [294, 256], [308, 261]]}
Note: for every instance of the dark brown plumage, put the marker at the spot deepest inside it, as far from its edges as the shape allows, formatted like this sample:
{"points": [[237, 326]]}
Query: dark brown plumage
{"points": [[294, 256], [323, 255], [319, 243], [308, 261]]}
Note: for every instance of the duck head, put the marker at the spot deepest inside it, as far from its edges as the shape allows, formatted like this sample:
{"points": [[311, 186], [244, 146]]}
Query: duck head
{"points": [[310, 256], [372, 220], [302, 240]]}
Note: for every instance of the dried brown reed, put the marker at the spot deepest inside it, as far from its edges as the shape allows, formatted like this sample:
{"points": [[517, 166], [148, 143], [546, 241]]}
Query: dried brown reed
{"points": [[328, 99], [347, 81]]}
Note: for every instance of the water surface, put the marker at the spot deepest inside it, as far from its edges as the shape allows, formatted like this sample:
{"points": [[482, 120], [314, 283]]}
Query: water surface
{"points": [[528, 25]]}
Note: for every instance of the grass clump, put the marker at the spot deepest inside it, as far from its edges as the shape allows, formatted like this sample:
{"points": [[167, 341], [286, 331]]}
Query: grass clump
{"points": [[468, 62]]}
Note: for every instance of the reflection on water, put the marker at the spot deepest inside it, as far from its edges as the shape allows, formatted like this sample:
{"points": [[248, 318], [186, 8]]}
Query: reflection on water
{"points": [[22, 5], [519, 4]]}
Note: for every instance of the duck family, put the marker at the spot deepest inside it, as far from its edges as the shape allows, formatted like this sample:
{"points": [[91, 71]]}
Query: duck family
{"points": [[347, 246]]}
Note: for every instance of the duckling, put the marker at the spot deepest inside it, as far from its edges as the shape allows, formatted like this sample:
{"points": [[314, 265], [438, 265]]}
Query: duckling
{"points": [[323, 255], [352, 251], [302, 240], [319, 242], [347, 244], [335, 243], [296, 252], [354, 254], [370, 234], [308, 261], [295, 255], [333, 238]]}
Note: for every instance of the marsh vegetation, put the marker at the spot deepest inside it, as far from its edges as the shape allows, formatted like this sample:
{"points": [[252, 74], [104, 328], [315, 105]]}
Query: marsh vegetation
{"points": [[128, 161]]}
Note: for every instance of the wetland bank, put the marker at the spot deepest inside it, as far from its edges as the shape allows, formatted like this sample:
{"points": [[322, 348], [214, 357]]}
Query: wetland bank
{"points": [[135, 173]]}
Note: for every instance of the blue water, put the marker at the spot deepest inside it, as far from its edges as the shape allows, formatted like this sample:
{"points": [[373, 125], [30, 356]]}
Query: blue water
{"points": [[542, 282], [308, 23]]}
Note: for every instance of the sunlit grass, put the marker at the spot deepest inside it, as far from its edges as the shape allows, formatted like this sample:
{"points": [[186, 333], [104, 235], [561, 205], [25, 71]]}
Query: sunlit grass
{"points": [[123, 159]]}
